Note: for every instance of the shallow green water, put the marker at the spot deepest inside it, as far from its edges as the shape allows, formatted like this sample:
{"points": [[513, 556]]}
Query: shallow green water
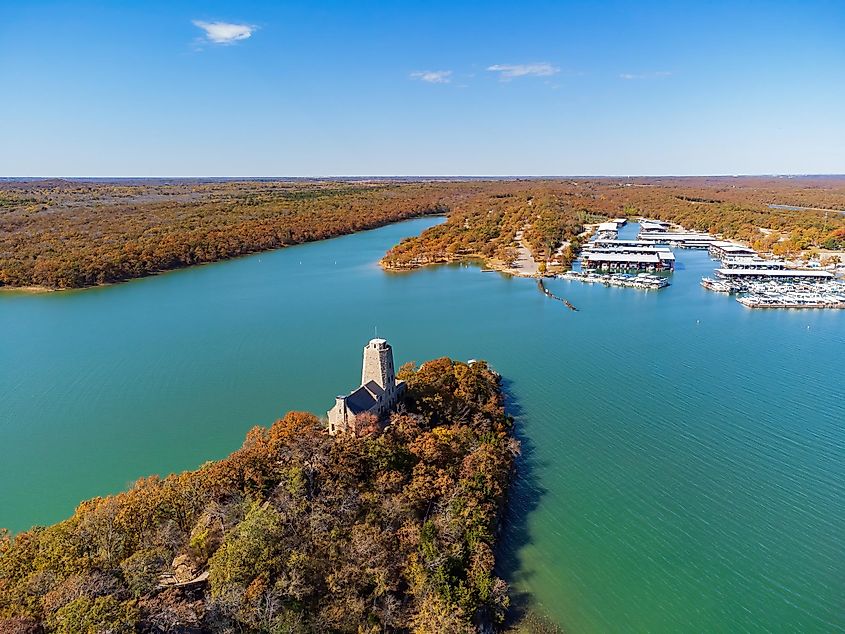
{"points": [[685, 457]]}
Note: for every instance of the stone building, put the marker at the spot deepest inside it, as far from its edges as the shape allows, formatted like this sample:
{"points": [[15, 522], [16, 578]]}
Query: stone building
{"points": [[378, 394]]}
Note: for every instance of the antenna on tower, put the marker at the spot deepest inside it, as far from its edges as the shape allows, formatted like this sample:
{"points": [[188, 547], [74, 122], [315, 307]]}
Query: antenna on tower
{"points": [[376, 331]]}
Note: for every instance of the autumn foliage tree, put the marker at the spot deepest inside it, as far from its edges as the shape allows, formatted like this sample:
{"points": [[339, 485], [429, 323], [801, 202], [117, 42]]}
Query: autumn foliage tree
{"points": [[70, 234], [387, 531]]}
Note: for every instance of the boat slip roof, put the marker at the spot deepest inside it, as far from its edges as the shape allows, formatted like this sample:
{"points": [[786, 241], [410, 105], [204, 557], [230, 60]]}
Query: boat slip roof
{"points": [[752, 261], [607, 226], [774, 273], [626, 249], [646, 258], [679, 237], [626, 243], [735, 249]]}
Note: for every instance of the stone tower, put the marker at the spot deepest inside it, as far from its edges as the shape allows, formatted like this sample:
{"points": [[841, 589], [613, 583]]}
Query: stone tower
{"points": [[377, 396], [378, 365]]}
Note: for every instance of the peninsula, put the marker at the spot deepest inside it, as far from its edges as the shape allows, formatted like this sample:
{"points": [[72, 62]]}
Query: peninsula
{"points": [[388, 528], [539, 226]]}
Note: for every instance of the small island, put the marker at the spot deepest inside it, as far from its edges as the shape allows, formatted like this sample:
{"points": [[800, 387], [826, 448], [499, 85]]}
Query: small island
{"points": [[388, 525]]}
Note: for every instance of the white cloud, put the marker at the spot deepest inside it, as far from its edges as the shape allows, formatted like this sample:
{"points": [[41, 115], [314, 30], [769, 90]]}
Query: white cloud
{"points": [[652, 75], [433, 76], [225, 32], [509, 71]]}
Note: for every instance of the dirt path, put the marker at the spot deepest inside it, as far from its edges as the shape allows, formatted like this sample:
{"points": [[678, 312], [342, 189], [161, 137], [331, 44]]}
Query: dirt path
{"points": [[525, 263]]}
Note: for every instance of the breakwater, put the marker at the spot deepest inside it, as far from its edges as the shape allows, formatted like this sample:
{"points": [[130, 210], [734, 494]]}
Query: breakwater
{"points": [[542, 287]]}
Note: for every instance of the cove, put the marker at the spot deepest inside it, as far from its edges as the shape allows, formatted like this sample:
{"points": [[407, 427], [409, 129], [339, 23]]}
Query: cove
{"points": [[684, 457]]}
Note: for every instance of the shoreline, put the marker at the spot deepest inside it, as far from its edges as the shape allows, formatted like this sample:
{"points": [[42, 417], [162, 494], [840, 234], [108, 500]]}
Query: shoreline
{"points": [[486, 265], [266, 487], [35, 289], [524, 266], [30, 290]]}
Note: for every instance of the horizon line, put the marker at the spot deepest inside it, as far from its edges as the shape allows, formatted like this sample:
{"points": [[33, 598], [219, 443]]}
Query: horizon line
{"points": [[426, 176]]}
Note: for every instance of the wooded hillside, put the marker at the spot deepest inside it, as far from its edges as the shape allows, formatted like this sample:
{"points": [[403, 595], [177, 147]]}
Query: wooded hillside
{"points": [[296, 531], [69, 234], [552, 214], [486, 226]]}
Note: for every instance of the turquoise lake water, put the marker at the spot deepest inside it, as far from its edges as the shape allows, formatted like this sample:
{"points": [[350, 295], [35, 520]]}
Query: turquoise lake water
{"points": [[684, 463]]}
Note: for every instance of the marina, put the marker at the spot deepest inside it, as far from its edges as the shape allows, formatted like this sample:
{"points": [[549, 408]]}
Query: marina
{"points": [[767, 275], [607, 259], [760, 282], [786, 292], [640, 260], [796, 298], [751, 262], [680, 239], [718, 286], [776, 294], [722, 249], [779, 294], [654, 225], [600, 244], [609, 230], [757, 282], [624, 246]]}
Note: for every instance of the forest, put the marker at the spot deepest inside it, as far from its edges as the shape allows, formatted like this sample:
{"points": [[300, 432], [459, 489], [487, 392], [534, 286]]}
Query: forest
{"points": [[297, 531], [486, 227], [552, 215], [69, 234]]}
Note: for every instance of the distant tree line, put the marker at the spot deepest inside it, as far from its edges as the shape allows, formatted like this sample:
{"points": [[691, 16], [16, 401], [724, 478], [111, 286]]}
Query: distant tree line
{"points": [[61, 234], [552, 215], [96, 236]]}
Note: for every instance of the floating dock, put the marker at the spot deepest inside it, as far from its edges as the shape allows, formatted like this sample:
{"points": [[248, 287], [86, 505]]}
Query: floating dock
{"points": [[638, 260], [683, 239], [718, 286], [642, 281], [762, 283], [607, 243], [793, 299], [751, 262], [767, 275], [721, 249], [652, 227]]}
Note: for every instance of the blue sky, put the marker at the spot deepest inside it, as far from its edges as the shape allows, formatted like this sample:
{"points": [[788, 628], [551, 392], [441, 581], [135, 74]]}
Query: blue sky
{"points": [[396, 88]]}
